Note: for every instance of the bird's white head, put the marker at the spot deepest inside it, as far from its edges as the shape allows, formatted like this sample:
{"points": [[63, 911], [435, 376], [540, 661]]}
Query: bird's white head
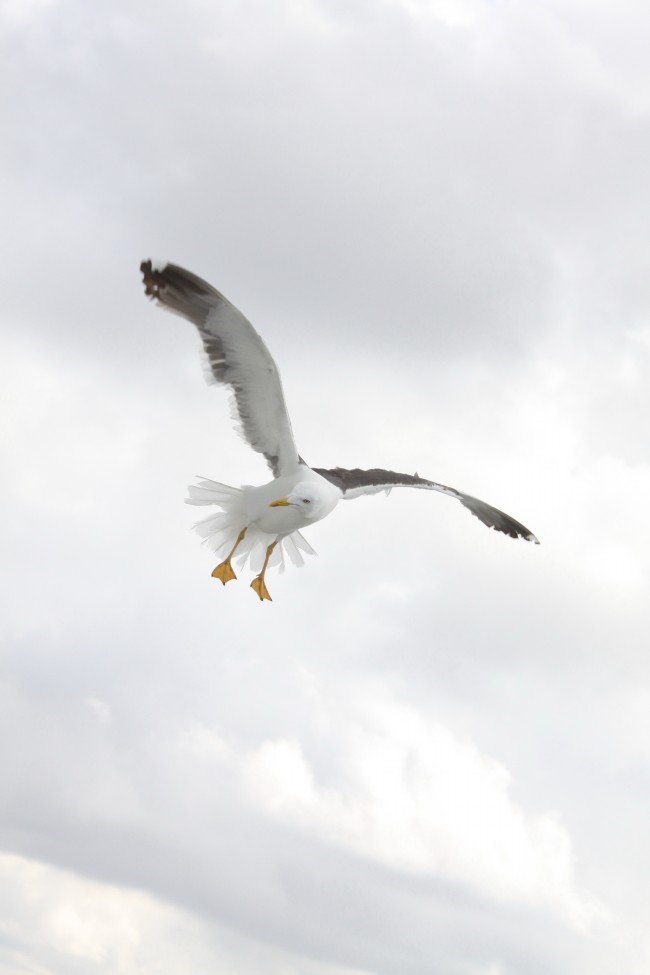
{"points": [[310, 499]]}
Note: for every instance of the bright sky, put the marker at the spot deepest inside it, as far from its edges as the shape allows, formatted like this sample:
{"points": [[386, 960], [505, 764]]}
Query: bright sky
{"points": [[430, 755]]}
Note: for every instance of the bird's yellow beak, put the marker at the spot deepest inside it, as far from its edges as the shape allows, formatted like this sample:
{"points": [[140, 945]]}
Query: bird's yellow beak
{"points": [[280, 503]]}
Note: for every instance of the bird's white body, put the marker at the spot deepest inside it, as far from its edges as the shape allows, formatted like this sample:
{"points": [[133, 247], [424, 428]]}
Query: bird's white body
{"points": [[270, 512]]}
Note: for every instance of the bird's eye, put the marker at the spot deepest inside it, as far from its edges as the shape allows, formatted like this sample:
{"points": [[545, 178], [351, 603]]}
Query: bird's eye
{"points": [[306, 500]]}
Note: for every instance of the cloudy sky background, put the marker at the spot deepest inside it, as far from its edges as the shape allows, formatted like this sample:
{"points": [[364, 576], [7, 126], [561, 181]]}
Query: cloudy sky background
{"points": [[431, 752]]}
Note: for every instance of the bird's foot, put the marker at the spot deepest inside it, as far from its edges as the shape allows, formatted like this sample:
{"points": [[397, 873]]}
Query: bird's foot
{"points": [[224, 571], [259, 586]]}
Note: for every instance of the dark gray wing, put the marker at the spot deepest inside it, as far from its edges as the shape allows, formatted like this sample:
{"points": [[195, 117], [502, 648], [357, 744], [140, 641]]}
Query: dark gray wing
{"points": [[237, 356], [357, 482]]}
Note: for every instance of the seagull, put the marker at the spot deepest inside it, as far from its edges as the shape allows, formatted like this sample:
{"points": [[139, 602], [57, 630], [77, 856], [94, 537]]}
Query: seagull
{"points": [[262, 523]]}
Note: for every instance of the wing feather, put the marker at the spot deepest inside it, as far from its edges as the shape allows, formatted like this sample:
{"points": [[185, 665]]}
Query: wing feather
{"points": [[237, 357], [356, 482]]}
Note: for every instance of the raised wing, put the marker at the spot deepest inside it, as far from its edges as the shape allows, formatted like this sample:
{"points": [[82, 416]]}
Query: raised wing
{"points": [[357, 482], [237, 357]]}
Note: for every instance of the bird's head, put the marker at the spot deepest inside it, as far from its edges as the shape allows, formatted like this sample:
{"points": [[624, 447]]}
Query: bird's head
{"points": [[306, 497]]}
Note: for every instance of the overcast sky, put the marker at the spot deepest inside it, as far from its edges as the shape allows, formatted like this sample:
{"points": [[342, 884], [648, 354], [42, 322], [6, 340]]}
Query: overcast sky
{"points": [[430, 755]]}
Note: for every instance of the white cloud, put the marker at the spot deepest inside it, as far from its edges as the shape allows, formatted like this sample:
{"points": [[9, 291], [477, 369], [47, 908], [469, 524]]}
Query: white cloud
{"points": [[416, 799]]}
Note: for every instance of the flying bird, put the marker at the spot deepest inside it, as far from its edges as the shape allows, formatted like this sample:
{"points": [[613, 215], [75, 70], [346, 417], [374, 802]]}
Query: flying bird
{"points": [[263, 523]]}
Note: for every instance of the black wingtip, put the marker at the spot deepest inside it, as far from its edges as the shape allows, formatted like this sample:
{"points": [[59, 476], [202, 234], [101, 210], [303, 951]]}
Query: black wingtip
{"points": [[151, 278]]}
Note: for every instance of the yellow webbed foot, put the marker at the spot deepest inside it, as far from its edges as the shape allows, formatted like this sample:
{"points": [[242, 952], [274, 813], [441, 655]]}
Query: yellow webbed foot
{"points": [[259, 586], [224, 572]]}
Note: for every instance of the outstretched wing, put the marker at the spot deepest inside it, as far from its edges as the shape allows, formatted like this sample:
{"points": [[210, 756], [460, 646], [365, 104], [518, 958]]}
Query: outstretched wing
{"points": [[237, 357], [357, 482]]}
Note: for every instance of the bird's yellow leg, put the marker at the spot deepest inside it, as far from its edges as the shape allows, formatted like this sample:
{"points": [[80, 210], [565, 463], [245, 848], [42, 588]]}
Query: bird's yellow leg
{"points": [[258, 583], [224, 571]]}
